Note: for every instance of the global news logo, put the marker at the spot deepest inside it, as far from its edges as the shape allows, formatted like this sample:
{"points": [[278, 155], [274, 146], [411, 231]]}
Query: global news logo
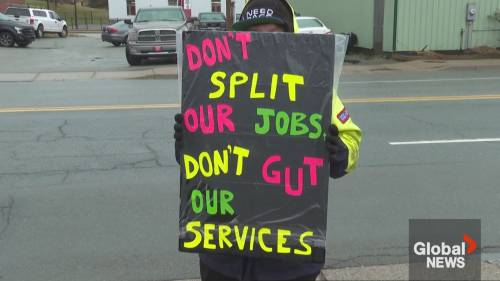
{"points": [[444, 256]]}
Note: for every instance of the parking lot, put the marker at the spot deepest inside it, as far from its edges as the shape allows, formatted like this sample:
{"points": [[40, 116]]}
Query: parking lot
{"points": [[78, 52]]}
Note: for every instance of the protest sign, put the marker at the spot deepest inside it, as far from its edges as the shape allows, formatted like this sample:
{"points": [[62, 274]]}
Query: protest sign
{"points": [[254, 168]]}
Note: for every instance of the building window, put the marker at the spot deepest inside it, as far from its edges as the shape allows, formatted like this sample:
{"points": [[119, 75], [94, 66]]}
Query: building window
{"points": [[216, 6], [173, 2]]}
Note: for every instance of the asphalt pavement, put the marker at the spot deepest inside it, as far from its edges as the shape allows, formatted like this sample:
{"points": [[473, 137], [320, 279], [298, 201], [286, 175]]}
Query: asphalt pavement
{"points": [[89, 185]]}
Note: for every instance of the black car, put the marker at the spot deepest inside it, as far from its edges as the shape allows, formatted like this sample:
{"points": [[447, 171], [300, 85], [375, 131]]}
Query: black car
{"points": [[212, 21], [12, 32]]}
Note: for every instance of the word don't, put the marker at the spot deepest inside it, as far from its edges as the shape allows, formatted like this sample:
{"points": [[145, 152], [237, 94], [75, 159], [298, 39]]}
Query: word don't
{"points": [[216, 163], [216, 50]]}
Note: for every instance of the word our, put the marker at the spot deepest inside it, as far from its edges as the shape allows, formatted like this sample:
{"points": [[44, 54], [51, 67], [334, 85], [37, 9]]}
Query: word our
{"points": [[277, 177], [214, 202], [246, 238], [195, 120], [216, 50], [238, 79], [215, 163]]}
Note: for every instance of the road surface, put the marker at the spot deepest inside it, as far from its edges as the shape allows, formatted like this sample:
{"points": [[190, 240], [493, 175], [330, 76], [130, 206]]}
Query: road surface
{"points": [[89, 185]]}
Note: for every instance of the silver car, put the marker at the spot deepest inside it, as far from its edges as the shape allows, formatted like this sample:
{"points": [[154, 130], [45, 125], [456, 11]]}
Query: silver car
{"points": [[154, 33], [115, 34]]}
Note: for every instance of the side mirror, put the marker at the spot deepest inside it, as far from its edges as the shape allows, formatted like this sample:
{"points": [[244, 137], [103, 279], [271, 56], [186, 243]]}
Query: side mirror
{"points": [[59, 19], [128, 21]]}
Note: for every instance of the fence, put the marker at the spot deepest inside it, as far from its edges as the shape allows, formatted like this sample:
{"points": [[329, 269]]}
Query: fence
{"points": [[85, 21]]}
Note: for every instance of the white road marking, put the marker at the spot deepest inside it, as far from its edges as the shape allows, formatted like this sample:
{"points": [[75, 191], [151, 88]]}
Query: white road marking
{"points": [[419, 80], [445, 141]]}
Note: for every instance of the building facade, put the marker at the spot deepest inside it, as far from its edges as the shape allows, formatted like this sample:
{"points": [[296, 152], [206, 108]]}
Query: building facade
{"points": [[120, 9], [4, 4], [411, 25]]}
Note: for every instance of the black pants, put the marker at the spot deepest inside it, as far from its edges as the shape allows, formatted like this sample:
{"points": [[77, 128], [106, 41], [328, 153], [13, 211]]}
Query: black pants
{"points": [[209, 275]]}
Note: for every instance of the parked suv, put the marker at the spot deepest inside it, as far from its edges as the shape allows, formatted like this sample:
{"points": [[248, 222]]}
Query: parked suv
{"points": [[212, 21], [43, 21], [12, 32], [154, 33]]}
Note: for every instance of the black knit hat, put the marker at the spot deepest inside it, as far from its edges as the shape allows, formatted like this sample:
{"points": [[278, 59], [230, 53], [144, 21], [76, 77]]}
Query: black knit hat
{"points": [[258, 12]]}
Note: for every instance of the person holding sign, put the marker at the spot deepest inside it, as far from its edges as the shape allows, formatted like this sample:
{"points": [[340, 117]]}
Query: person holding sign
{"points": [[342, 141]]}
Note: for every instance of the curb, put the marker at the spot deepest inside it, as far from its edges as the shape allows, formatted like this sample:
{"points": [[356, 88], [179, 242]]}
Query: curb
{"points": [[171, 72], [490, 271], [84, 31], [421, 66], [81, 76]]}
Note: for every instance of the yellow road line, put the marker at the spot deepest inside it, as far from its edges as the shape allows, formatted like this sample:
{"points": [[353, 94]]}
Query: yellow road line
{"points": [[89, 108], [175, 105]]}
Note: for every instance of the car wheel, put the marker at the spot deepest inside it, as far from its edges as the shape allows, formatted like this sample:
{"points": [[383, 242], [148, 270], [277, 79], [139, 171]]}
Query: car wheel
{"points": [[6, 39], [64, 32], [40, 31], [23, 45], [116, 43], [131, 59]]}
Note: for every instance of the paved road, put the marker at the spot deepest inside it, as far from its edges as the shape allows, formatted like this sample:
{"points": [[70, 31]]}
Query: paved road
{"points": [[93, 195]]}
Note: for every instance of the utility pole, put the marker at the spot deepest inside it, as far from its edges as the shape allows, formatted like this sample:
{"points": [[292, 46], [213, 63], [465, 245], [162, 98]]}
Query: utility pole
{"points": [[229, 14], [76, 16], [378, 26]]}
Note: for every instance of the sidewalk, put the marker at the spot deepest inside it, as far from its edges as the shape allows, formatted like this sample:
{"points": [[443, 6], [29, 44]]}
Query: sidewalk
{"points": [[489, 271], [151, 73], [170, 72]]}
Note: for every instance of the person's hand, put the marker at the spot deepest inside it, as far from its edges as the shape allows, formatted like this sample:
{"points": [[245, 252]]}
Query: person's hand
{"points": [[333, 142], [178, 136], [338, 152]]}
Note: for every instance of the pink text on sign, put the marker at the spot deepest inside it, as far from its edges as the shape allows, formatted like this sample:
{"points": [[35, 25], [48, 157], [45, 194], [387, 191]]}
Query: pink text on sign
{"points": [[217, 50], [278, 176]]}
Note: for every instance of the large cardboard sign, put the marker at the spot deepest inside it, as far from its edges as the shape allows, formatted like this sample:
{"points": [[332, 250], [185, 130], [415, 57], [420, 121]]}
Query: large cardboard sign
{"points": [[254, 171]]}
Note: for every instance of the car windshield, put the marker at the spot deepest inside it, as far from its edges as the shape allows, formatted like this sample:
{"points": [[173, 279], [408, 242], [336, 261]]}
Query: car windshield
{"points": [[160, 15], [212, 17], [307, 23], [4, 17]]}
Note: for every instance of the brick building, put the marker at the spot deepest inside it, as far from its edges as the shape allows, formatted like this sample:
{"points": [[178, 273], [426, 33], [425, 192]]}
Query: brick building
{"points": [[6, 3]]}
